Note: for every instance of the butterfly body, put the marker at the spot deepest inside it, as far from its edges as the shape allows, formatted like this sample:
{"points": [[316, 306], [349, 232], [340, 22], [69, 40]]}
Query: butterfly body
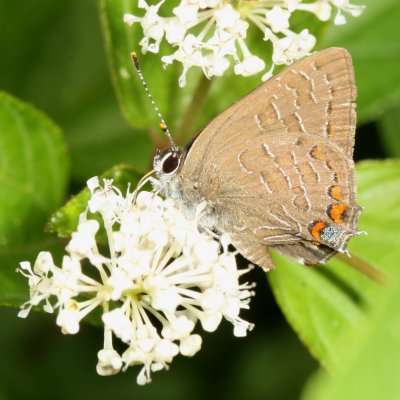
{"points": [[275, 169]]}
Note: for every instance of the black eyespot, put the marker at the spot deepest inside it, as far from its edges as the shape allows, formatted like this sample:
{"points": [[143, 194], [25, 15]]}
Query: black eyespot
{"points": [[170, 163]]}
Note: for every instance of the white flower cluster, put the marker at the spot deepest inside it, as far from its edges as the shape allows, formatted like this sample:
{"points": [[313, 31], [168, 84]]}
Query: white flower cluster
{"points": [[221, 27], [157, 278]]}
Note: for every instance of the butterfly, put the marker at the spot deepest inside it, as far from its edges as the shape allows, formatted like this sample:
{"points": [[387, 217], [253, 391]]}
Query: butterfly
{"points": [[275, 169]]}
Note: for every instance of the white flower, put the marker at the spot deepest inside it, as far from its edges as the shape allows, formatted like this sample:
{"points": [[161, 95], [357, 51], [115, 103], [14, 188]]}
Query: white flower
{"points": [[215, 65], [119, 323], [189, 54], [152, 24], [211, 34], [83, 240], [110, 362], [155, 280], [278, 19], [178, 328], [226, 18], [292, 47], [174, 32], [251, 65], [68, 319], [321, 8], [186, 13], [190, 345]]}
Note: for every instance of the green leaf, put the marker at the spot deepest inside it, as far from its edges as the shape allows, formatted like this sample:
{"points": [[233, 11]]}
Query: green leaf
{"points": [[163, 83], [374, 373], [33, 170], [65, 220], [61, 68], [331, 306], [373, 41], [101, 140], [33, 175], [388, 127]]}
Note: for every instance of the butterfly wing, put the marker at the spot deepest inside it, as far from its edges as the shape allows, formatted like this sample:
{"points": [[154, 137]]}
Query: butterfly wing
{"points": [[276, 167]]}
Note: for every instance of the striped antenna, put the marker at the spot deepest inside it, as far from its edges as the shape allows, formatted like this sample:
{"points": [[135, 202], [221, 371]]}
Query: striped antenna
{"points": [[163, 125]]}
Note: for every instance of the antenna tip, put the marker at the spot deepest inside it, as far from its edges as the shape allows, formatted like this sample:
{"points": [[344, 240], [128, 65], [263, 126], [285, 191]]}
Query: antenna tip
{"points": [[163, 127], [135, 59]]}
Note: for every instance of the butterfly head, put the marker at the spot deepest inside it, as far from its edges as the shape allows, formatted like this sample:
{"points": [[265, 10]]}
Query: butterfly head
{"points": [[166, 165], [167, 162]]}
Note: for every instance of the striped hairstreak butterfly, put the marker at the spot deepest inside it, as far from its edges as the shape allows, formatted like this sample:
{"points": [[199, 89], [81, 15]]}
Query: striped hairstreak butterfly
{"points": [[275, 169]]}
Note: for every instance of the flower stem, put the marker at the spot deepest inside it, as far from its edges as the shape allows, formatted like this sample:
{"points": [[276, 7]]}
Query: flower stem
{"points": [[193, 111], [364, 267]]}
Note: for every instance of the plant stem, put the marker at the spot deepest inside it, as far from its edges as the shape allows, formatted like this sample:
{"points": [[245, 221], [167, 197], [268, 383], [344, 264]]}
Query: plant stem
{"points": [[193, 111], [364, 267]]}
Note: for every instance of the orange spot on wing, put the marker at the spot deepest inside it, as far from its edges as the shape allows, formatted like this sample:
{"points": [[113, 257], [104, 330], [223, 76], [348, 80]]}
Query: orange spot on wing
{"points": [[316, 228], [337, 212], [335, 192]]}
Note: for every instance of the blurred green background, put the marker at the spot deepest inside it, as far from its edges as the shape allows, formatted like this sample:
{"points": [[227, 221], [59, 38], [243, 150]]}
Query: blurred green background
{"points": [[53, 57]]}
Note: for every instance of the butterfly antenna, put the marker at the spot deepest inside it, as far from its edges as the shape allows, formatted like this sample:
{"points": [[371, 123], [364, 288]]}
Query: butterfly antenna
{"points": [[163, 125]]}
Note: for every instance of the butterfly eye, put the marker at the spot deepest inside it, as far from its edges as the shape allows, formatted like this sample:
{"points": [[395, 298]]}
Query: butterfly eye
{"points": [[170, 163]]}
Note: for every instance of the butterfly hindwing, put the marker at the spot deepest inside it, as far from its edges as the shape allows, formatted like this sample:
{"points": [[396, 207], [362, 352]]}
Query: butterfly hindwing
{"points": [[276, 167]]}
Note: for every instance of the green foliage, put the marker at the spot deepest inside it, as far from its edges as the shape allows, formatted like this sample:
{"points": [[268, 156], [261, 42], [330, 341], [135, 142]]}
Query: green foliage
{"points": [[373, 374], [373, 41], [33, 177], [33, 170], [53, 57], [389, 128]]}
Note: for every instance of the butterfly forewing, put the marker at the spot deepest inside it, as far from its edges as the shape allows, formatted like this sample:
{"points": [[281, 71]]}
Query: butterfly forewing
{"points": [[275, 168]]}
